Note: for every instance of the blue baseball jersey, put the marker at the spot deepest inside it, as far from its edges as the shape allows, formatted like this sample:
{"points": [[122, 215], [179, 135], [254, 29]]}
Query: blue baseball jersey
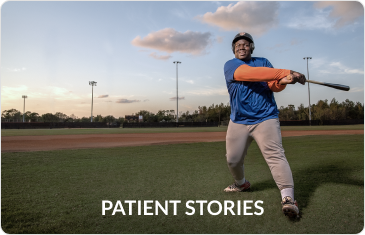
{"points": [[251, 102]]}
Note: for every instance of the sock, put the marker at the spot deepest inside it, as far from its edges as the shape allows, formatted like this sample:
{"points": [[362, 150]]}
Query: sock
{"points": [[240, 182], [287, 192]]}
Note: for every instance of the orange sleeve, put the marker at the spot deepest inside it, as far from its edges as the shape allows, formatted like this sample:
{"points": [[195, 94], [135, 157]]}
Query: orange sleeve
{"points": [[275, 86], [259, 74]]}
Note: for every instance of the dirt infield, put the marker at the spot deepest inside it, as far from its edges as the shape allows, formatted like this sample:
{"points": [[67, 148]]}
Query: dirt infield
{"points": [[58, 142]]}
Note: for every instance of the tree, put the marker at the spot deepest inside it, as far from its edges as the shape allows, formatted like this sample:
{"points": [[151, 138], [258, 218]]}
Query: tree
{"points": [[85, 119], [12, 115], [61, 116], [98, 118], [34, 117], [109, 119], [49, 117]]}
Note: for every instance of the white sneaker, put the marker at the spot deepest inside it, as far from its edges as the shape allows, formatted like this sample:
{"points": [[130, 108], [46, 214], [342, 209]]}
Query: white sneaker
{"points": [[235, 188], [290, 207]]}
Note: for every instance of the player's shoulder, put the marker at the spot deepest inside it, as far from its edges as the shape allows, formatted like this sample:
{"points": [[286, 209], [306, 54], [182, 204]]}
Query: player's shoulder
{"points": [[233, 62], [261, 61]]}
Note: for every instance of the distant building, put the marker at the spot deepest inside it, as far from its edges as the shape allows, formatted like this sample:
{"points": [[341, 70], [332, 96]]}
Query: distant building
{"points": [[131, 118]]}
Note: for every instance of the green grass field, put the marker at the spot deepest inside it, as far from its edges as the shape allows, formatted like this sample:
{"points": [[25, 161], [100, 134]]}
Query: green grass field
{"points": [[24, 132], [62, 191]]}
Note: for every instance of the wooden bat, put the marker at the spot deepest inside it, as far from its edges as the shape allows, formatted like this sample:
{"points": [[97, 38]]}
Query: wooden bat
{"points": [[336, 86]]}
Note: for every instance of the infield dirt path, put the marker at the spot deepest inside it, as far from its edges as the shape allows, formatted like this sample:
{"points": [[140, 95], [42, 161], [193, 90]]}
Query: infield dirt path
{"points": [[58, 142]]}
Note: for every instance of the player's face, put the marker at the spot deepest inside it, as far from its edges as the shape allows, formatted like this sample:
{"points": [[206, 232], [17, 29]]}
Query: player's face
{"points": [[242, 50]]}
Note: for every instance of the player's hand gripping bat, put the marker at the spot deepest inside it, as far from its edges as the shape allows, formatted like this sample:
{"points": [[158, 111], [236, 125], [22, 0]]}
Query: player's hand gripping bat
{"points": [[336, 86]]}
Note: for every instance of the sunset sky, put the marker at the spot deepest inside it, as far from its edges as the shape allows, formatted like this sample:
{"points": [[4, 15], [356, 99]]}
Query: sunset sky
{"points": [[51, 50]]}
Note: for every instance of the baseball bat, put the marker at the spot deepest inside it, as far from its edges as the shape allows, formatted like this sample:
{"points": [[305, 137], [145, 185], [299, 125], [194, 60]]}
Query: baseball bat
{"points": [[336, 86]]}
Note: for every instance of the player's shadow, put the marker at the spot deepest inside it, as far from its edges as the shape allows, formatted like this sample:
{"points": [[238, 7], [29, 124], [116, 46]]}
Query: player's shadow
{"points": [[306, 181]]}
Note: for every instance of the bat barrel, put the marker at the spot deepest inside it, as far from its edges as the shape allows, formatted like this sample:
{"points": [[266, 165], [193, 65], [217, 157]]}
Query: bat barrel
{"points": [[332, 85]]}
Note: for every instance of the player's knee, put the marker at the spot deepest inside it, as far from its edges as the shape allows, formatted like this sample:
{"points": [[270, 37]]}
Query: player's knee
{"points": [[234, 164]]}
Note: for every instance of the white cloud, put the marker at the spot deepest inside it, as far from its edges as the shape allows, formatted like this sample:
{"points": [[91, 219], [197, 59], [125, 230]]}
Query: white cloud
{"points": [[190, 81], [327, 16], [160, 57], [253, 17], [13, 92], [209, 91], [356, 89], [339, 68], [103, 96], [170, 40], [60, 93], [344, 12], [318, 20], [168, 92], [17, 69]]}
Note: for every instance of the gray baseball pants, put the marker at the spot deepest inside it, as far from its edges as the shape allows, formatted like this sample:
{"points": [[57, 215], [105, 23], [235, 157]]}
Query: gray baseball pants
{"points": [[267, 135]]}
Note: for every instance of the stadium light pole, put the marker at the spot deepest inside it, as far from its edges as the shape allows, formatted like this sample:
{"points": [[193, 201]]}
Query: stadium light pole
{"points": [[92, 83], [309, 95], [177, 92], [24, 97]]}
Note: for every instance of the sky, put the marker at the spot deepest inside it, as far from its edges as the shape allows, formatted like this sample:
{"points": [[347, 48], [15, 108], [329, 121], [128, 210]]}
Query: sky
{"points": [[51, 50]]}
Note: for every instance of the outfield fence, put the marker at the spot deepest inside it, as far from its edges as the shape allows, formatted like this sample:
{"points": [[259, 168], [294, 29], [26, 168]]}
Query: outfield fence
{"points": [[322, 122], [169, 124], [51, 125]]}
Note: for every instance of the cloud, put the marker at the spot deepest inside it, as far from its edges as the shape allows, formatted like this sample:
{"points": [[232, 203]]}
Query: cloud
{"points": [[47, 92], [357, 89], [209, 92], [126, 101], [326, 16], [13, 92], [170, 40], [103, 96], [311, 21], [17, 70], [339, 68], [160, 57], [146, 100], [345, 12], [174, 98], [253, 17], [346, 69]]}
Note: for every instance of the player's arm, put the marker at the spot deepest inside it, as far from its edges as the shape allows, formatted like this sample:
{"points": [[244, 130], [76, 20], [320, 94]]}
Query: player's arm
{"points": [[276, 78], [275, 86], [259, 74]]}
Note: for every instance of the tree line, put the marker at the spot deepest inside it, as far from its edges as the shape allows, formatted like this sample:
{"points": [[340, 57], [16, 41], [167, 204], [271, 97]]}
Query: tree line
{"points": [[322, 110], [14, 115]]}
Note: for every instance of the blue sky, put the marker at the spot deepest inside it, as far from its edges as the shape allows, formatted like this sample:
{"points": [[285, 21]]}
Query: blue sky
{"points": [[51, 50]]}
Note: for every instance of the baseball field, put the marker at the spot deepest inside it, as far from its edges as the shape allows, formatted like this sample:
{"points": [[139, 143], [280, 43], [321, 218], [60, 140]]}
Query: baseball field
{"points": [[171, 181]]}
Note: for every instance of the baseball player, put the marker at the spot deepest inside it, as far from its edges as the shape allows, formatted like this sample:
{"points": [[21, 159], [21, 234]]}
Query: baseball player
{"points": [[251, 82]]}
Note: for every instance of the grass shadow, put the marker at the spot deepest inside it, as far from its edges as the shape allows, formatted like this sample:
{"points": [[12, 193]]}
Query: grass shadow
{"points": [[308, 180]]}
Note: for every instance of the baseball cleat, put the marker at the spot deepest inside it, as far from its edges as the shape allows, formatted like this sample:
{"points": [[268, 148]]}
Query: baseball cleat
{"points": [[235, 188], [290, 207]]}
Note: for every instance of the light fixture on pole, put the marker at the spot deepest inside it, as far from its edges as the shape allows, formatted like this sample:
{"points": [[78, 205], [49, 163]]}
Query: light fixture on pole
{"points": [[24, 97], [309, 96], [92, 83], [177, 92]]}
